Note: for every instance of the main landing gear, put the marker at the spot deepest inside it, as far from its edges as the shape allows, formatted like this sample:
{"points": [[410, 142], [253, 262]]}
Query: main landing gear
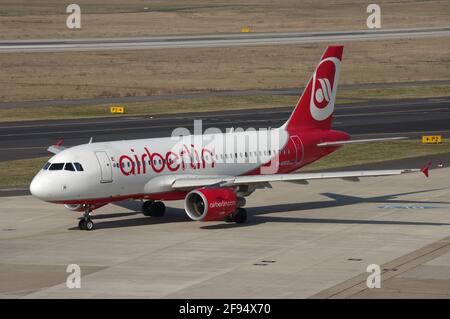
{"points": [[154, 209], [86, 222], [238, 217]]}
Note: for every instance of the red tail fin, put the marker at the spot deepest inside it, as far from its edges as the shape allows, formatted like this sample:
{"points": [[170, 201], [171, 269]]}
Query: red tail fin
{"points": [[315, 108]]}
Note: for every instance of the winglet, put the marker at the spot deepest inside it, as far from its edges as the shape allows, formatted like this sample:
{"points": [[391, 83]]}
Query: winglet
{"points": [[60, 142], [425, 170]]}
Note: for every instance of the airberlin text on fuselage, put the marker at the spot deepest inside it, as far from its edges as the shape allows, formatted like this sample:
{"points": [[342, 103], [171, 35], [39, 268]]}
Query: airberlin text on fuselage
{"points": [[173, 161]]}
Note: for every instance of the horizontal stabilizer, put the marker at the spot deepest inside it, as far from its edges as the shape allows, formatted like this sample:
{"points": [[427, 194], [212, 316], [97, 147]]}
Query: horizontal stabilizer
{"points": [[368, 140]]}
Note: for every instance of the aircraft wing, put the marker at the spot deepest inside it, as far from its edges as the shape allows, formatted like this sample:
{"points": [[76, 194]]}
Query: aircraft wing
{"points": [[191, 183]]}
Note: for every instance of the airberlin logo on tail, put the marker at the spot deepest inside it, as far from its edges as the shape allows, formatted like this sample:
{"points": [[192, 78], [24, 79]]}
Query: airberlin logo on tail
{"points": [[324, 92], [324, 84]]}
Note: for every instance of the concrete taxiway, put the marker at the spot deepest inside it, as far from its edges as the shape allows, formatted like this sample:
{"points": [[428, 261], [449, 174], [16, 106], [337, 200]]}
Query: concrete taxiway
{"points": [[93, 44], [301, 241]]}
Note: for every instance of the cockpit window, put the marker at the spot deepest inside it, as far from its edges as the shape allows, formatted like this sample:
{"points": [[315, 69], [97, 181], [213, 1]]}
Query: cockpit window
{"points": [[46, 166], [69, 167], [56, 167], [78, 167]]}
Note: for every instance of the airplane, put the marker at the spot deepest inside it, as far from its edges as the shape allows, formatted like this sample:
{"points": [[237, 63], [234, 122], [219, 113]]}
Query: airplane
{"points": [[211, 177]]}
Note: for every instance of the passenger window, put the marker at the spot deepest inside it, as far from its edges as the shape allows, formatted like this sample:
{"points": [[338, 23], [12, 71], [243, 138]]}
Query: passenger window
{"points": [[46, 166], [69, 167], [56, 166], [78, 167]]}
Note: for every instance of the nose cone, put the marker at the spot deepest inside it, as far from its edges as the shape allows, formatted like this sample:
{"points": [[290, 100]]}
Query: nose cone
{"points": [[38, 187]]}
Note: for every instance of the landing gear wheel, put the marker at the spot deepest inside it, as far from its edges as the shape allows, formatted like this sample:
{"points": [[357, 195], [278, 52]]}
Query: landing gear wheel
{"points": [[238, 217], [86, 223], [154, 209], [81, 224], [89, 225], [146, 207], [158, 209]]}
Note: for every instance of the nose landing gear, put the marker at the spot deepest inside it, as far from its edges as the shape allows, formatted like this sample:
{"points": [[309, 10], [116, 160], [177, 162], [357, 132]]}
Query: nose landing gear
{"points": [[86, 222]]}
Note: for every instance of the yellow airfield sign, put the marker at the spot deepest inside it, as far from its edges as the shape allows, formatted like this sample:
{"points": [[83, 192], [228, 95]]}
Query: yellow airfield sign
{"points": [[431, 139], [117, 109]]}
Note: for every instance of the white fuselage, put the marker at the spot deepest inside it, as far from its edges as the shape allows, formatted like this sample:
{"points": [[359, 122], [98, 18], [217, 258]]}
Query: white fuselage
{"points": [[123, 169]]}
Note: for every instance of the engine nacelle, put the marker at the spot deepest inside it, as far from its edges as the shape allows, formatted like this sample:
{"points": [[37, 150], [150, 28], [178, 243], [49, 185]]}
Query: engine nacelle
{"points": [[210, 204]]}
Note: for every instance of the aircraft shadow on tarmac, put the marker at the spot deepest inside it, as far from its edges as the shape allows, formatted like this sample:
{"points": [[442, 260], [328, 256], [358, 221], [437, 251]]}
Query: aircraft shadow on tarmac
{"points": [[172, 216], [256, 214]]}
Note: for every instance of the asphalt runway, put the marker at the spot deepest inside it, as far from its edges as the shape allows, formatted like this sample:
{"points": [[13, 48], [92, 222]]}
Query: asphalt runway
{"points": [[375, 118], [300, 241], [94, 44]]}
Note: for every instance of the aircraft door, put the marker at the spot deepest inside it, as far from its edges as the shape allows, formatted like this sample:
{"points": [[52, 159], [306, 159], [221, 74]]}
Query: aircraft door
{"points": [[105, 167]]}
